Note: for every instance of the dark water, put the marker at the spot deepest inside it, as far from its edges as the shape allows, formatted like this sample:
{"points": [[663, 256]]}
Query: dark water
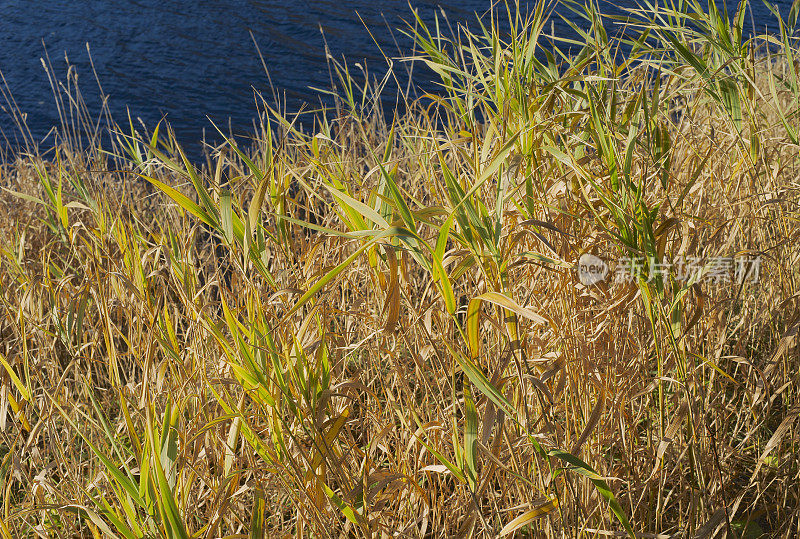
{"points": [[189, 60]]}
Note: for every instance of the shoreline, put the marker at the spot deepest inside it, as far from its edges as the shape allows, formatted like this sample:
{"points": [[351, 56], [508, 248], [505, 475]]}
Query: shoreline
{"points": [[516, 311]]}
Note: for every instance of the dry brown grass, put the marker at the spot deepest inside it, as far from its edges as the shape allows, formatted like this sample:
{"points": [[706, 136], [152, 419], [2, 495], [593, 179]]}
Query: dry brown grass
{"points": [[297, 364]]}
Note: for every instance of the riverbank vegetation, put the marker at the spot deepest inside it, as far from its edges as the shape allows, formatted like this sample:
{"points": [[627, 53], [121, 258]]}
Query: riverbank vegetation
{"points": [[366, 326]]}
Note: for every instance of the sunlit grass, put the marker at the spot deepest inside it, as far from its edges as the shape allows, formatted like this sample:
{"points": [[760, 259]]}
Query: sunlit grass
{"points": [[376, 327]]}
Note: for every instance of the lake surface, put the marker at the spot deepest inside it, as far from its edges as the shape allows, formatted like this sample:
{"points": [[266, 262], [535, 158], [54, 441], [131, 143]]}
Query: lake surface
{"points": [[190, 61]]}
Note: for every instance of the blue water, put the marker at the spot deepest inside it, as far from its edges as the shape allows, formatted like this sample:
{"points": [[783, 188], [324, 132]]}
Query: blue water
{"points": [[190, 61]]}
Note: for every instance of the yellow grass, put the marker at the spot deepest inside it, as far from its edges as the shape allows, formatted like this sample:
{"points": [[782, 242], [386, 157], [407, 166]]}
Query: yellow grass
{"points": [[374, 327]]}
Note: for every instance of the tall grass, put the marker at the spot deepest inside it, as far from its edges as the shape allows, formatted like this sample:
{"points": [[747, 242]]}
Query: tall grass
{"points": [[376, 327]]}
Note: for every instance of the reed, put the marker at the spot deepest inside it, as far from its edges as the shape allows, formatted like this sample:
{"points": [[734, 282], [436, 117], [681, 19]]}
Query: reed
{"points": [[376, 327]]}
